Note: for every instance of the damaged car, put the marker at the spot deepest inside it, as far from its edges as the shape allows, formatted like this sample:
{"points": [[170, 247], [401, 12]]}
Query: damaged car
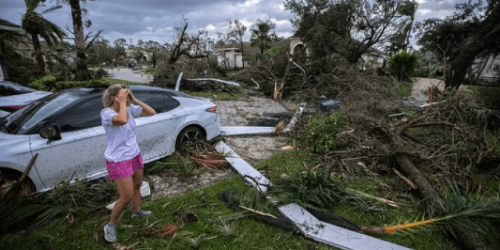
{"points": [[14, 96], [65, 130]]}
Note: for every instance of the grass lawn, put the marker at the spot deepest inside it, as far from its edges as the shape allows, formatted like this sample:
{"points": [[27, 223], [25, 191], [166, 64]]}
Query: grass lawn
{"points": [[214, 230]]}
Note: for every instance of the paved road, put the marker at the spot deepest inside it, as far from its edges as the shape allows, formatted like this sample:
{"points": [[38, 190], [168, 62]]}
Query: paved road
{"points": [[128, 75]]}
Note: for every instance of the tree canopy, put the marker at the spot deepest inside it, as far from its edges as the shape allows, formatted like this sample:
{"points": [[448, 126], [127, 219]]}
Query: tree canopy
{"points": [[348, 27], [471, 31], [261, 34], [35, 25]]}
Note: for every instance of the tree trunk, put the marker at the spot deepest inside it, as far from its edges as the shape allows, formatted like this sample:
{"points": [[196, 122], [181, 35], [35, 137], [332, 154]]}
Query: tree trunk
{"points": [[354, 57], [468, 239], [485, 36], [242, 59], [38, 52], [3, 61], [82, 72]]}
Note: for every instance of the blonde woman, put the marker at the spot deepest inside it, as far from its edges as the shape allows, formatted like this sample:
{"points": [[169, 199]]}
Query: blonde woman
{"points": [[123, 157]]}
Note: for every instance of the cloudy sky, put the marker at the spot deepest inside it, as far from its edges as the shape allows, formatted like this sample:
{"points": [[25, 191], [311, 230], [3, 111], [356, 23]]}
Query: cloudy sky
{"points": [[155, 19]]}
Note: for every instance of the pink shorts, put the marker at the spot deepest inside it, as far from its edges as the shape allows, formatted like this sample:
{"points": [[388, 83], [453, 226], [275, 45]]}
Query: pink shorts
{"points": [[124, 169]]}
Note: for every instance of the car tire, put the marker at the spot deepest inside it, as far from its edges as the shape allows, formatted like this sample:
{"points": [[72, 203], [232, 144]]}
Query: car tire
{"points": [[7, 175], [189, 134]]}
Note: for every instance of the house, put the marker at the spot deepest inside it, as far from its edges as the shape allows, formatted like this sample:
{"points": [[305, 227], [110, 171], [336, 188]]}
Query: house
{"points": [[146, 56], [231, 57]]}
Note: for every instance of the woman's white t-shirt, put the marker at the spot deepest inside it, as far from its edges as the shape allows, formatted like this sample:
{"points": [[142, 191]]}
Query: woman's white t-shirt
{"points": [[122, 141]]}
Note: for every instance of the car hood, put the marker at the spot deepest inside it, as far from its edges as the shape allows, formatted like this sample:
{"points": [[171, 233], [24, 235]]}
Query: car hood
{"points": [[23, 99], [3, 114]]}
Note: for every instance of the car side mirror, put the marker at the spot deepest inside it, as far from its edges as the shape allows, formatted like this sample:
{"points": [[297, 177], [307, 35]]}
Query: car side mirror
{"points": [[53, 133]]}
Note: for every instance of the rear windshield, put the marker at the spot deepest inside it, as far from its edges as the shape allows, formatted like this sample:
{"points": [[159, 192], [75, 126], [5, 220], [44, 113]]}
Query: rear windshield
{"points": [[31, 115]]}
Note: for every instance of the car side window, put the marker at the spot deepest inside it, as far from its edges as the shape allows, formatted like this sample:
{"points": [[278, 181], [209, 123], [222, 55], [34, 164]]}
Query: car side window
{"points": [[87, 114], [171, 103], [155, 100]]}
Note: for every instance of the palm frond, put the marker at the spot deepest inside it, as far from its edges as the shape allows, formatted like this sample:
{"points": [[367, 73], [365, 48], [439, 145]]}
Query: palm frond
{"points": [[317, 189], [472, 212], [52, 8]]}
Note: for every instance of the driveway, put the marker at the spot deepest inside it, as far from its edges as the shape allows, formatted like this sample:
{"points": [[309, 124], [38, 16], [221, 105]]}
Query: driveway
{"points": [[254, 111], [128, 75]]}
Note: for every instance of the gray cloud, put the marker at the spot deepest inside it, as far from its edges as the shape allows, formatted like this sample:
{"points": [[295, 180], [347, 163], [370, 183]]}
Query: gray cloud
{"points": [[155, 19]]}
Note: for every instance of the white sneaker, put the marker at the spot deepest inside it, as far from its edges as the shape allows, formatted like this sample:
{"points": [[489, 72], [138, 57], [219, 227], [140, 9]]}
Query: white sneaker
{"points": [[141, 213], [110, 233]]}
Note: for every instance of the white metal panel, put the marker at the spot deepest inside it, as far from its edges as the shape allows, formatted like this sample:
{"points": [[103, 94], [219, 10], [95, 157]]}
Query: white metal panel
{"points": [[231, 131], [243, 168], [331, 234]]}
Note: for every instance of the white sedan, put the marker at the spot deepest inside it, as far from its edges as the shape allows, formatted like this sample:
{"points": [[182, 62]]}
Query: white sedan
{"points": [[65, 130]]}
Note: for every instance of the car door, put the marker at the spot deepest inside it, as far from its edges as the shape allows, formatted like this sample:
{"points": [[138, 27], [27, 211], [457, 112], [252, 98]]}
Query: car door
{"points": [[156, 134], [80, 151]]}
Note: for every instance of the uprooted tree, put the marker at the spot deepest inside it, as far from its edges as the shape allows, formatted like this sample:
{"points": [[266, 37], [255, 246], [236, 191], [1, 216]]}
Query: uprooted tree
{"points": [[472, 31], [449, 140], [348, 28], [187, 50]]}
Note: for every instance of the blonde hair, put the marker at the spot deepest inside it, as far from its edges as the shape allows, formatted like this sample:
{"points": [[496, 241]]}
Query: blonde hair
{"points": [[109, 94]]}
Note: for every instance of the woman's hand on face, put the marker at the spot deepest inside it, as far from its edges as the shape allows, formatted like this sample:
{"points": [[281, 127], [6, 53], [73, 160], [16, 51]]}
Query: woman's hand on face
{"points": [[122, 96], [132, 97]]}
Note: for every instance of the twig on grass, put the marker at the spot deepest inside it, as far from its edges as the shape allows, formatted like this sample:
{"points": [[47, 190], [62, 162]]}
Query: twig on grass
{"points": [[258, 212]]}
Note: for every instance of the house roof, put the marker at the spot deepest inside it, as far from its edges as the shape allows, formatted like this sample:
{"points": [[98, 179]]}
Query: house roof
{"points": [[8, 26], [247, 47]]}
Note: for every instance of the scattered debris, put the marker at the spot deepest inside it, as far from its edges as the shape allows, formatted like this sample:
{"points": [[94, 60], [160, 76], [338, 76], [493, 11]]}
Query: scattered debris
{"points": [[70, 218], [405, 179], [307, 223], [258, 212], [216, 80], [16, 190], [279, 128], [178, 83], [258, 86], [285, 148], [190, 216], [250, 174], [167, 230], [294, 120], [117, 246], [331, 234], [233, 131], [278, 91], [326, 106], [305, 165], [213, 161]]}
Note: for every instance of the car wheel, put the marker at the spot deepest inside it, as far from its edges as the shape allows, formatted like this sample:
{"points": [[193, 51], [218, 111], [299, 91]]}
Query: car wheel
{"points": [[189, 138], [7, 175]]}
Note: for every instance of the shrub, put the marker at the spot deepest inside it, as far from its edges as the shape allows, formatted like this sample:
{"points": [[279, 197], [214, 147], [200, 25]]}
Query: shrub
{"points": [[22, 70], [72, 84], [403, 65], [47, 83], [100, 73], [322, 131]]}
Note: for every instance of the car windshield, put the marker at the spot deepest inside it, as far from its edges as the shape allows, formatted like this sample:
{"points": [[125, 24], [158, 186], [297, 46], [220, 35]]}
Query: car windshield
{"points": [[29, 116]]}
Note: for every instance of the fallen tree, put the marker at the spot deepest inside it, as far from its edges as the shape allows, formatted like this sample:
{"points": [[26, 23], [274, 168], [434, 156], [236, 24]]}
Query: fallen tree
{"points": [[433, 147]]}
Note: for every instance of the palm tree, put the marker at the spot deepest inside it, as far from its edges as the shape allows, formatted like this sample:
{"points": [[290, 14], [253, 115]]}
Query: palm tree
{"points": [[82, 71], [261, 36], [35, 25]]}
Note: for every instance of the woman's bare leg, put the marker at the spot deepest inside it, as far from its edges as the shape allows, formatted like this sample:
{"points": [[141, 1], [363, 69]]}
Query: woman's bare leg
{"points": [[136, 199], [126, 192]]}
